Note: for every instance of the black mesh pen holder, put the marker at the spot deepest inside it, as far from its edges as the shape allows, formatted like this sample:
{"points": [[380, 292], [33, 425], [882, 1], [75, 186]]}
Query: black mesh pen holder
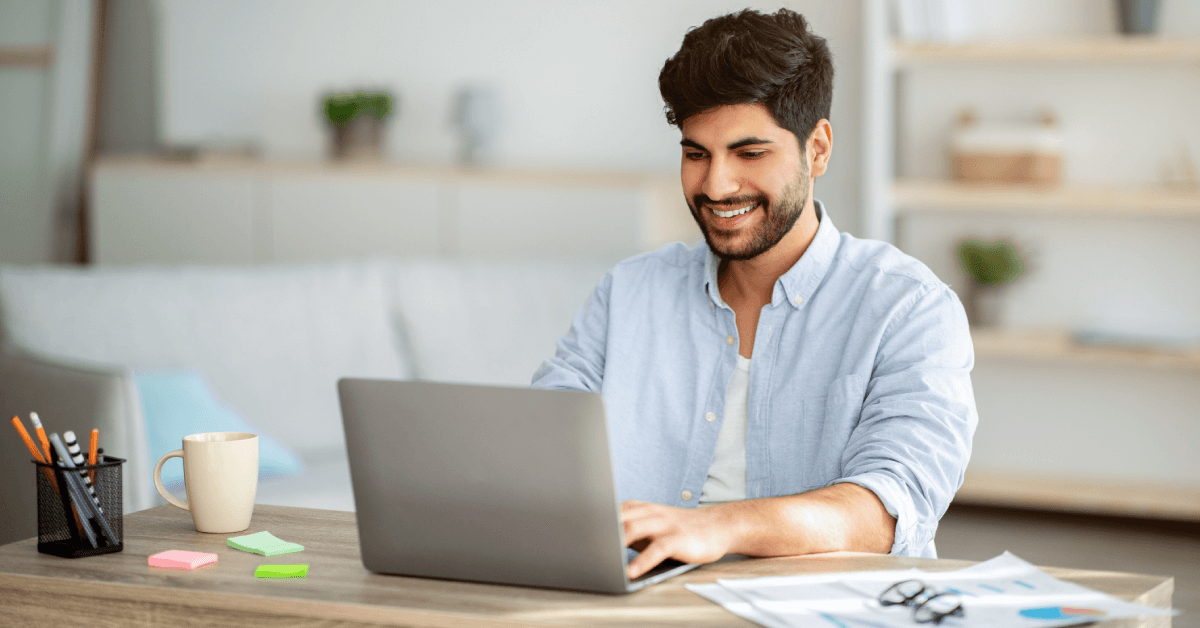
{"points": [[79, 510]]}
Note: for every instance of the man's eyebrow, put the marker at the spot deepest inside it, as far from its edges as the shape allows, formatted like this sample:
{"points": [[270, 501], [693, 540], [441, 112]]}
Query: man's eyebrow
{"points": [[745, 141], [748, 141]]}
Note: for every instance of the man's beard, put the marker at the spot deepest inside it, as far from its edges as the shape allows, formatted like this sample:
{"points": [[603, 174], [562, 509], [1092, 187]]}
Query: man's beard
{"points": [[779, 220]]}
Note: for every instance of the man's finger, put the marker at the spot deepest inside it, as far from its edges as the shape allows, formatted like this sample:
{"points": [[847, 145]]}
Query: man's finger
{"points": [[642, 527], [650, 557], [631, 507]]}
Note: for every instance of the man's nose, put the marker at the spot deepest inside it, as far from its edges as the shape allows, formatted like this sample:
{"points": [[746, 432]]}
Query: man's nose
{"points": [[720, 181]]}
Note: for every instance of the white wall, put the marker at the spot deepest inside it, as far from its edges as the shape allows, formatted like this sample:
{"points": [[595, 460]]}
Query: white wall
{"points": [[579, 78]]}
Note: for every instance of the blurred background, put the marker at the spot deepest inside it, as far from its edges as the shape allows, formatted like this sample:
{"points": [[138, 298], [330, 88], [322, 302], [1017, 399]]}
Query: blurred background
{"points": [[1040, 156]]}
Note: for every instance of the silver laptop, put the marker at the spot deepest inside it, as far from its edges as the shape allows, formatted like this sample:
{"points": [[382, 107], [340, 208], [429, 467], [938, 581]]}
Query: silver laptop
{"points": [[483, 483]]}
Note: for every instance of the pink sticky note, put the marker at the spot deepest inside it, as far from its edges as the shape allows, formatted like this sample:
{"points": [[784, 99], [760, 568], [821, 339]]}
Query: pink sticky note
{"points": [[180, 559]]}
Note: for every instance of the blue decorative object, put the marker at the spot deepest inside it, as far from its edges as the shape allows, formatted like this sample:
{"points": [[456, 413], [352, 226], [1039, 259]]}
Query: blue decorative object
{"points": [[178, 403]]}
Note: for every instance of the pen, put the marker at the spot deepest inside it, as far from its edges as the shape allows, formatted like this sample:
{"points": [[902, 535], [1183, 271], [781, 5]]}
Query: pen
{"points": [[78, 459], [75, 483], [41, 433], [92, 453], [79, 496]]}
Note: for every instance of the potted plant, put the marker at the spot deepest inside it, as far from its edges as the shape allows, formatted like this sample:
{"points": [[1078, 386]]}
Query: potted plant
{"points": [[357, 119], [991, 267]]}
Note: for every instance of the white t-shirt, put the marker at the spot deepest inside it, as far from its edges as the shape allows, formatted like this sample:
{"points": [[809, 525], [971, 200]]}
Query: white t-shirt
{"points": [[727, 475]]}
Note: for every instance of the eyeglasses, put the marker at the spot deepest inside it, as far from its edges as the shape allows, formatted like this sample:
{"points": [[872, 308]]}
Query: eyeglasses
{"points": [[929, 605]]}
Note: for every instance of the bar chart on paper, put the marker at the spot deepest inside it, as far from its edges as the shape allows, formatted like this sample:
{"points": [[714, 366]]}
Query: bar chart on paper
{"points": [[1062, 612], [1004, 592]]}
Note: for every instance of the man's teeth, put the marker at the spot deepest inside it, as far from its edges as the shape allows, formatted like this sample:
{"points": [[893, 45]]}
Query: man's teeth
{"points": [[735, 212]]}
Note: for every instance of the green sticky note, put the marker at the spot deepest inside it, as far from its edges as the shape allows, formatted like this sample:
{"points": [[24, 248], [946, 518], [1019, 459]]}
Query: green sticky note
{"points": [[281, 571], [263, 543]]}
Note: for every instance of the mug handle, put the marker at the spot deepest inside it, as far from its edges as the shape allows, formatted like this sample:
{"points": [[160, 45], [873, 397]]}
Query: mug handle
{"points": [[162, 490]]}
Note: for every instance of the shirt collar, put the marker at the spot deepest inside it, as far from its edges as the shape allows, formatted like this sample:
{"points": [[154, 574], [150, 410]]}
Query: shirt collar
{"points": [[797, 285]]}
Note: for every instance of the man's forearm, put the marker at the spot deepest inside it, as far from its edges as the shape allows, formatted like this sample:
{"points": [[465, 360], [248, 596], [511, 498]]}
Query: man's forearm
{"points": [[842, 517]]}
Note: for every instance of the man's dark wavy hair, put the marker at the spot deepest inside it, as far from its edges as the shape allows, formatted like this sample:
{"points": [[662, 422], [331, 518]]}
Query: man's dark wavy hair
{"points": [[751, 57]]}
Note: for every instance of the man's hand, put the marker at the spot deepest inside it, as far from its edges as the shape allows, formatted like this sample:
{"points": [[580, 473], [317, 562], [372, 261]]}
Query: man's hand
{"points": [[689, 535], [843, 516]]}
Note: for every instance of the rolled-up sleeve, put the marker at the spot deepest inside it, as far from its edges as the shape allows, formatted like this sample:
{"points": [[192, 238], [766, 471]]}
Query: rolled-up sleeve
{"points": [[913, 439], [578, 362]]}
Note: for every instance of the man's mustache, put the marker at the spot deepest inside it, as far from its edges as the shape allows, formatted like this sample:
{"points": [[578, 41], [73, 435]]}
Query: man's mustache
{"points": [[700, 200]]}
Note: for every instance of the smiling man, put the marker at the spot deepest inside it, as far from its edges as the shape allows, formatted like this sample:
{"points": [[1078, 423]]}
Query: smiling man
{"points": [[781, 388]]}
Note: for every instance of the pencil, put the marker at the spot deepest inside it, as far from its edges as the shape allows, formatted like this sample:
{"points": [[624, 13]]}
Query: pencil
{"points": [[37, 455], [41, 433], [92, 453]]}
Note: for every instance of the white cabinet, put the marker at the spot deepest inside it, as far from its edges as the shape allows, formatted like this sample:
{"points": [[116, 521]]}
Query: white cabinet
{"points": [[330, 215], [171, 215], [149, 211], [529, 220]]}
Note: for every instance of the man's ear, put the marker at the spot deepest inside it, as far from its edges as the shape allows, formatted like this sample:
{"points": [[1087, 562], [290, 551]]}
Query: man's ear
{"points": [[819, 146]]}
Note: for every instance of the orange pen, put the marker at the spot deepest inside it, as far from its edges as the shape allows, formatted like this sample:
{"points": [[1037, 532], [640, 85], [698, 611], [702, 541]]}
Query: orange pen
{"points": [[92, 453], [41, 433]]}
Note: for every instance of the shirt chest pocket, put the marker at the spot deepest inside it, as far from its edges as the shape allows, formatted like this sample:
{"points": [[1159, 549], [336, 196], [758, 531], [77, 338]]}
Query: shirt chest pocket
{"points": [[808, 439]]}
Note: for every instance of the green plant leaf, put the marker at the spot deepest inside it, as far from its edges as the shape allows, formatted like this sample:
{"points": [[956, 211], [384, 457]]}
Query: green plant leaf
{"points": [[991, 263], [378, 104], [340, 109]]}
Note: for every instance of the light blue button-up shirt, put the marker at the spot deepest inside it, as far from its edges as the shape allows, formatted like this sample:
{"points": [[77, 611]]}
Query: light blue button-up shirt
{"points": [[861, 373]]}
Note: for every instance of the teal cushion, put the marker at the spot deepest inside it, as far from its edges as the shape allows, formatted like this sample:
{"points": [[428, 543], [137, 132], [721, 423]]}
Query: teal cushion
{"points": [[178, 403]]}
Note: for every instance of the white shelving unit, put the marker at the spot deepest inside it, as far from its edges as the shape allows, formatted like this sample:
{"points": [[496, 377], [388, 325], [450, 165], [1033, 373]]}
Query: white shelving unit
{"points": [[1037, 358], [1100, 50], [911, 196]]}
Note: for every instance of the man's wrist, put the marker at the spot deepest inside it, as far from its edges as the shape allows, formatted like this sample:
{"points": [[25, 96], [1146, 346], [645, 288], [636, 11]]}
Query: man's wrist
{"points": [[739, 524]]}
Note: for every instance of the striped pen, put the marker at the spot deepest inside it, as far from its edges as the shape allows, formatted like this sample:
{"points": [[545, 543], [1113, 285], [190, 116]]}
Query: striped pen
{"points": [[78, 459]]}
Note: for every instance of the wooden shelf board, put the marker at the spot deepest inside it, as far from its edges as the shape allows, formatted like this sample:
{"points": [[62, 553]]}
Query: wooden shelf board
{"points": [[1097, 50], [1092, 496], [26, 56], [426, 172], [1055, 346], [912, 196]]}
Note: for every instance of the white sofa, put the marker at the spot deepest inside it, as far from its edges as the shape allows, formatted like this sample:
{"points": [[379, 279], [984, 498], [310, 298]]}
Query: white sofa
{"points": [[271, 340]]}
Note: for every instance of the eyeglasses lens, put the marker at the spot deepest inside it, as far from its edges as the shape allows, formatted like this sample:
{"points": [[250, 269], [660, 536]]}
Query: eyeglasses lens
{"points": [[902, 593], [938, 607]]}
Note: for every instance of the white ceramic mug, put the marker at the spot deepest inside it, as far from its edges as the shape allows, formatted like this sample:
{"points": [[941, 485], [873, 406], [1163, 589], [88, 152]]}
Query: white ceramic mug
{"points": [[220, 473]]}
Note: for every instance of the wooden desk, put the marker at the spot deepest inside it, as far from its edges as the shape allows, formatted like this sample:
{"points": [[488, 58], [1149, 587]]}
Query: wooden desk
{"points": [[122, 590]]}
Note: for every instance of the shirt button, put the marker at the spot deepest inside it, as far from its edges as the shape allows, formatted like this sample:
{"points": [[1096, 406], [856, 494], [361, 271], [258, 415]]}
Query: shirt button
{"points": [[729, 340], [687, 496], [710, 417], [799, 300]]}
